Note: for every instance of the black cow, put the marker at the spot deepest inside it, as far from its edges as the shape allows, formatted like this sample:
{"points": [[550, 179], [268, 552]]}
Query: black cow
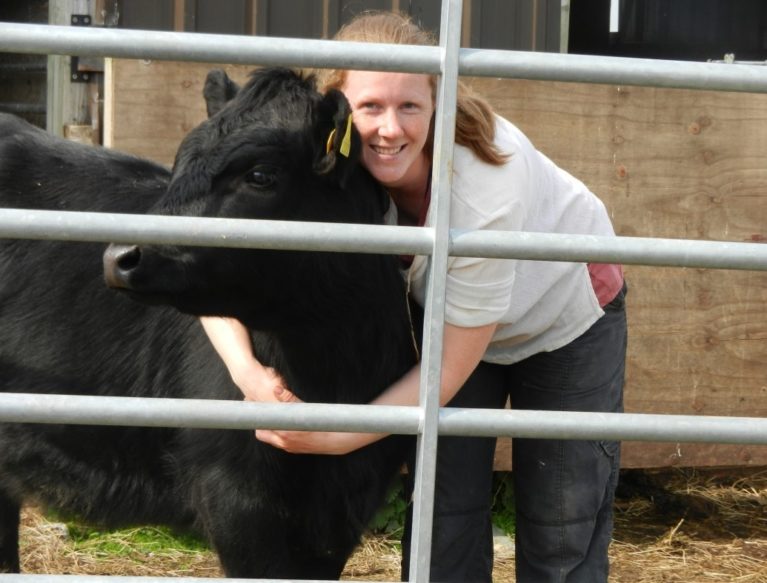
{"points": [[335, 325]]}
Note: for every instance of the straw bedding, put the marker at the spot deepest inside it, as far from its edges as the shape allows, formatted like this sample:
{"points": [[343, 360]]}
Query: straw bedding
{"points": [[676, 525]]}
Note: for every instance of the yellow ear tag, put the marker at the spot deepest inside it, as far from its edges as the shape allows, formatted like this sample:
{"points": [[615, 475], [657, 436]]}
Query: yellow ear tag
{"points": [[346, 142], [329, 144]]}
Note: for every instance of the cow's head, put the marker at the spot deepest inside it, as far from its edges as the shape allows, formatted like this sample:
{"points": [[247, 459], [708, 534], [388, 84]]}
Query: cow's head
{"points": [[274, 149]]}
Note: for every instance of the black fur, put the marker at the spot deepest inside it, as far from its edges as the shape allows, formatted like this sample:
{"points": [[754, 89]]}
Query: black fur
{"points": [[335, 325]]}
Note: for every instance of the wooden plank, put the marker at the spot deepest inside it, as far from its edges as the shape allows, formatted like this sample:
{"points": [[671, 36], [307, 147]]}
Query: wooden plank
{"points": [[667, 163], [151, 105], [179, 11]]}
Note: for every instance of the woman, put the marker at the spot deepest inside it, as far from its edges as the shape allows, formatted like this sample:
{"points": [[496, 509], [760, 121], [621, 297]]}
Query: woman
{"points": [[549, 335]]}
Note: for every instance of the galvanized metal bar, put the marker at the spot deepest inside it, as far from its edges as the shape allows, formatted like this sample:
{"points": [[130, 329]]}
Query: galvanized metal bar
{"points": [[604, 426], [212, 48], [196, 231], [216, 414], [244, 233], [626, 250], [204, 413], [613, 70], [434, 309], [32, 578]]}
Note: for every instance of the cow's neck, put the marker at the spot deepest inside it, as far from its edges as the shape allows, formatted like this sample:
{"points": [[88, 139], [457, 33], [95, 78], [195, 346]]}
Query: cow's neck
{"points": [[343, 357]]}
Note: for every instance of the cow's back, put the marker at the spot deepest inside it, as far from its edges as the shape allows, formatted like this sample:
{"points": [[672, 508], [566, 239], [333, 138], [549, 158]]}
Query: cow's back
{"points": [[56, 315], [40, 171]]}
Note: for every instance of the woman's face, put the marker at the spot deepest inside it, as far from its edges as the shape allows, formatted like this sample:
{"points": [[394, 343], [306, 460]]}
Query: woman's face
{"points": [[392, 112]]}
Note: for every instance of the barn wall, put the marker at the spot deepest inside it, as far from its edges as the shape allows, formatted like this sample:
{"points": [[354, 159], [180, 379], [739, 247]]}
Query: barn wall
{"points": [[511, 24], [23, 77], [667, 163]]}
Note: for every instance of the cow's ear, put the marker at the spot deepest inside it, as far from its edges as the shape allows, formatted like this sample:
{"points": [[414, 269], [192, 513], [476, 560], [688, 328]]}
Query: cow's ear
{"points": [[218, 91], [341, 142]]}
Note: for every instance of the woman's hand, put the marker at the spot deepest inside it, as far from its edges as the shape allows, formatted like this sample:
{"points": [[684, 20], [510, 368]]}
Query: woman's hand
{"points": [[257, 382], [316, 442]]}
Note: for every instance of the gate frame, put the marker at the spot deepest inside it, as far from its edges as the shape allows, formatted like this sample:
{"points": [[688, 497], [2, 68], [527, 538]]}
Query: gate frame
{"points": [[427, 420]]}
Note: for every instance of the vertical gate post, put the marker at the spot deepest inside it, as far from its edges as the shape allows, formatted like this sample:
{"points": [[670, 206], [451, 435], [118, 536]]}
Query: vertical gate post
{"points": [[434, 317], [564, 27], [72, 105]]}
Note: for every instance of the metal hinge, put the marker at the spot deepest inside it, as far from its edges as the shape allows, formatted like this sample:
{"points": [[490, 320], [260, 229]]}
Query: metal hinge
{"points": [[82, 70]]}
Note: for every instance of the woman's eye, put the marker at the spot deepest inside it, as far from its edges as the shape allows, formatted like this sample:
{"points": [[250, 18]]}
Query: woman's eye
{"points": [[260, 177], [411, 107]]}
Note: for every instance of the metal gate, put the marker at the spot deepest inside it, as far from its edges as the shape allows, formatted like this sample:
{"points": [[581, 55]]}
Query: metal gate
{"points": [[427, 420]]}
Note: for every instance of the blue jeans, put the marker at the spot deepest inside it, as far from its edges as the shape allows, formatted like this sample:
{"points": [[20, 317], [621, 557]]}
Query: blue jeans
{"points": [[564, 489]]}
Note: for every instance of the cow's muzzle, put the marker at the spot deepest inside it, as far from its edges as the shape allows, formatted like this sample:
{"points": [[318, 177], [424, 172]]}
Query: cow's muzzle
{"points": [[120, 261]]}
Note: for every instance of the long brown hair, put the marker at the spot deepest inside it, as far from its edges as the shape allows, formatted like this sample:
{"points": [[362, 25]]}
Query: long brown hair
{"points": [[474, 126]]}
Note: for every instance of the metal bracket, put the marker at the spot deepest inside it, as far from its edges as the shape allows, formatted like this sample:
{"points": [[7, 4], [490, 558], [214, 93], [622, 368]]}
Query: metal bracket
{"points": [[77, 75]]}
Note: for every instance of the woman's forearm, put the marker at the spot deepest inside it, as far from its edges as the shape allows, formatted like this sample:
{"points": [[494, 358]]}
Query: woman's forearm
{"points": [[463, 348], [231, 340]]}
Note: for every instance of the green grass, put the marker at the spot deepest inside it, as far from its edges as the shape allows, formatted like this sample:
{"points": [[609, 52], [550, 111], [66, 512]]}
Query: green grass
{"points": [[390, 519], [145, 539], [504, 516]]}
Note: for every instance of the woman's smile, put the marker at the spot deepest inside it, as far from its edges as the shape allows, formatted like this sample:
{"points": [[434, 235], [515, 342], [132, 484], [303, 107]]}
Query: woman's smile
{"points": [[387, 150]]}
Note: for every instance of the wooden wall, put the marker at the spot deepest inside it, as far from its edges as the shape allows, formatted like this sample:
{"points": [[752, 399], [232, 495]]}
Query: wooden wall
{"points": [[668, 163]]}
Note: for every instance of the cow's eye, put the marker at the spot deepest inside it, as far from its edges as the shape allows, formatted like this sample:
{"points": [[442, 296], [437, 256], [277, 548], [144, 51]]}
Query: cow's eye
{"points": [[261, 177]]}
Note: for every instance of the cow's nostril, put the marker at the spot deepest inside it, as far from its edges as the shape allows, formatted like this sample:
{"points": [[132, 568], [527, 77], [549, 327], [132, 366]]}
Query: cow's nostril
{"points": [[119, 262], [128, 258]]}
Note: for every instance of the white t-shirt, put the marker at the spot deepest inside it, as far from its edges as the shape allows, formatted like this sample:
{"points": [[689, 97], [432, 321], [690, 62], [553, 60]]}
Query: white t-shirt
{"points": [[538, 305]]}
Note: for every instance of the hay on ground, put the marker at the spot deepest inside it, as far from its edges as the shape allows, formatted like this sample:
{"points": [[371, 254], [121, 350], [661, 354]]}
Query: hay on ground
{"points": [[680, 526]]}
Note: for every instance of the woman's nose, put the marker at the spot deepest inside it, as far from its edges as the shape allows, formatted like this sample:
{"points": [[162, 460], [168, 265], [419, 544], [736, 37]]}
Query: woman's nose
{"points": [[390, 125]]}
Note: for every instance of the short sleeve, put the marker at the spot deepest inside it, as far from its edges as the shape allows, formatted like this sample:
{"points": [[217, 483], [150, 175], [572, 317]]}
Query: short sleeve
{"points": [[478, 291]]}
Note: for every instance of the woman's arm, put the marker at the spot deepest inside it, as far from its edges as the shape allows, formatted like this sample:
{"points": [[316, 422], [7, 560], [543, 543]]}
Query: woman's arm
{"points": [[462, 350], [231, 340]]}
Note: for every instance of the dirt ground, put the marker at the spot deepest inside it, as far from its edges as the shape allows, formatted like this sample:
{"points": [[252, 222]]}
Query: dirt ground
{"points": [[674, 526]]}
